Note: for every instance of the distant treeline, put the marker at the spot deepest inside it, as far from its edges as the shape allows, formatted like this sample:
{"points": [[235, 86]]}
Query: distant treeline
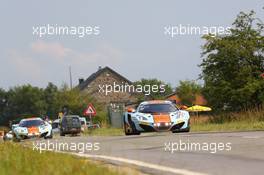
{"points": [[27, 101]]}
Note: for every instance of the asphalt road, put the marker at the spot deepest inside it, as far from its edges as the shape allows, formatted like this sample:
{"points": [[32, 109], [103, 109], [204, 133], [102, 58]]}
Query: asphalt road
{"points": [[237, 153]]}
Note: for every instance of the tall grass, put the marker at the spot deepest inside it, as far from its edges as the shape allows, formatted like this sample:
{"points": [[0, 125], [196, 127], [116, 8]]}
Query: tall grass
{"points": [[229, 121], [16, 159]]}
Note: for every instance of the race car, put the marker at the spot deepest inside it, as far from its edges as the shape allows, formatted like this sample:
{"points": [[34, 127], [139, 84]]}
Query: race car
{"points": [[31, 127], [155, 116]]}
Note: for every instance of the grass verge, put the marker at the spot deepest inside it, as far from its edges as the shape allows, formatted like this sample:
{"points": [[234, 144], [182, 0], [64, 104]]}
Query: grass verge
{"points": [[233, 121], [230, 126], [17, 159], [105, 132]]}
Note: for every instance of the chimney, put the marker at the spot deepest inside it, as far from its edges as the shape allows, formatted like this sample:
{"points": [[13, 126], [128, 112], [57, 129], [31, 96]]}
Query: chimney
{"points": [[81, 80], [100, 67]]}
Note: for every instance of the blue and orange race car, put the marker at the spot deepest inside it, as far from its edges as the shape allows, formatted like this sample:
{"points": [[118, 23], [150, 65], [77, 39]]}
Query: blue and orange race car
{"points": [[154, 116], [31, 127]]}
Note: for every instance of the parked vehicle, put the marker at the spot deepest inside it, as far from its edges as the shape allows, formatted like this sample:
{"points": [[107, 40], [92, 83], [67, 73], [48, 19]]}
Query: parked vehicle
{"points": [[31, 127], [55, 126], [92, 125], [156, 115], [70, 124], [83, 124]]}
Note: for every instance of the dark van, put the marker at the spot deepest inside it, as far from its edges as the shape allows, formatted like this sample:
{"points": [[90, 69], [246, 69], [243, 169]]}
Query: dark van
{"points": [[70, 124]]}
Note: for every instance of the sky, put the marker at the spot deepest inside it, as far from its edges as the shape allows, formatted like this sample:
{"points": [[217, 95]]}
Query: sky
{"points": [[132, 38]]}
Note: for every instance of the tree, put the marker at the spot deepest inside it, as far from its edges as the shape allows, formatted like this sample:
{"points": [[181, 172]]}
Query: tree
{"points": [[23, 100], [3, 104], [50, 95], [164, 89], [232, 65], [187, 91], [72, 99]]}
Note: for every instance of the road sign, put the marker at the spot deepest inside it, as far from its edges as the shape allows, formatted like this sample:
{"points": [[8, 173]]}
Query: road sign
{"points": [[90, 110]]}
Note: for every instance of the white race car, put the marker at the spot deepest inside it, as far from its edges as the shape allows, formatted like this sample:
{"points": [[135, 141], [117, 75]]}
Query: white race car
{"points": [[32, 127], [156, 115]]}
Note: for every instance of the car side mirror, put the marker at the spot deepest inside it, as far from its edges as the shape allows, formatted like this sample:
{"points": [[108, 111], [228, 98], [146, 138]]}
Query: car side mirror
{"points": [[14, 126], [131, 110], [46, 123]]}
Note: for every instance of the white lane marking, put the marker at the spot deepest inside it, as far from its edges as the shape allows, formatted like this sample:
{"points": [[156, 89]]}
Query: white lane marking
{"points": [[251, 137], [141, 164]]}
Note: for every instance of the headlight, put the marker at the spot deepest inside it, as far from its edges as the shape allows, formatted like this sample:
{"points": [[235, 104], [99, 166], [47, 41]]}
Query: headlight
{"points": [[22, 130], [42, 127], [142, 118], [179, 115]]}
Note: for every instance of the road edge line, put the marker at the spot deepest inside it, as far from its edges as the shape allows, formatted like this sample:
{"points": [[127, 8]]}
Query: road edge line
{"points": [[139, 163]]}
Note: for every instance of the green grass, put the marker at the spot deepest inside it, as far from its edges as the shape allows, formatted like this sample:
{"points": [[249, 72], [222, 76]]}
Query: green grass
{"points": [[105, 132], [237, 121], [229, 126], [17, 159]]}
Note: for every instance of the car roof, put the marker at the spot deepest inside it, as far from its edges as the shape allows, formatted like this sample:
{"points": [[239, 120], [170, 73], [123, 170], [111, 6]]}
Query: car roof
{"points": [[56, 121], [71, 115], [156, 102], [32, 118], [82, 118]]}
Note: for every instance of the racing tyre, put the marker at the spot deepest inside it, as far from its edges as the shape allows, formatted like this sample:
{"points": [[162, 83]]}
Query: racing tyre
{"points": [[130, 130], [182, 130], [49, 137], [62, 134], [15, 139]]}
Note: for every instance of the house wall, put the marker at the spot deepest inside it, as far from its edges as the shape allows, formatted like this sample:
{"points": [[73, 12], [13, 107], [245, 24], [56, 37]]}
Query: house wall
{"points": [[108, 78]]}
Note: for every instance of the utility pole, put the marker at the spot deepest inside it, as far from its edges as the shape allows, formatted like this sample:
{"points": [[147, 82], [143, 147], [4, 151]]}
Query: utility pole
{"points": [[70, 77]]}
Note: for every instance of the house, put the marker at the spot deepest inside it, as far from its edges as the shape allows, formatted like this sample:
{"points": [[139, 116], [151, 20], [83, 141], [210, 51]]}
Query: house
{"points": [[199, 99], [107, 87]]}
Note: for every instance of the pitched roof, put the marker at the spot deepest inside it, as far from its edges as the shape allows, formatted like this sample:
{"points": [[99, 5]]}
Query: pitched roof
{"points": [[92, 77]]}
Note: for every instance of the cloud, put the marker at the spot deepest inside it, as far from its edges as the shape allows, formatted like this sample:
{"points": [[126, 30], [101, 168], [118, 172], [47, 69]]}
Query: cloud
{"points": [[105, 53], [44, 62], [23, 66], [52, 49]]}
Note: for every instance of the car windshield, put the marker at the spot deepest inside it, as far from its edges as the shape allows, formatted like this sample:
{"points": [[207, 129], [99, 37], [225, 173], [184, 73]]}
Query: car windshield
{"points": [[30, 123], [55, 125], [72, 120], [157, 108]]}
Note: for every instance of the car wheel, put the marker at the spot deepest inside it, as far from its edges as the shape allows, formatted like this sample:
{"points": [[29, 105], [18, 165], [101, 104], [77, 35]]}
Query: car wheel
{"points": [[182, 130], [130, 130], [49, 137], [187, 129], [127, 129], [62, 134], [15, 139]]}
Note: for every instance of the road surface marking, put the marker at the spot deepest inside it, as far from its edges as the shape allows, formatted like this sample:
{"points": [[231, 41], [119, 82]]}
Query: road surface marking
{"points": [[141, 164], [251, 137]]}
